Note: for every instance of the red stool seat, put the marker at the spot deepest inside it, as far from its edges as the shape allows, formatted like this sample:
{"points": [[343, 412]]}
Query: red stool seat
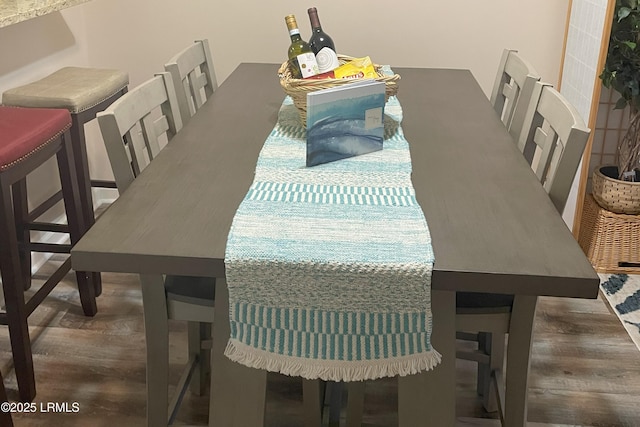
{"points": [[25, 130]]}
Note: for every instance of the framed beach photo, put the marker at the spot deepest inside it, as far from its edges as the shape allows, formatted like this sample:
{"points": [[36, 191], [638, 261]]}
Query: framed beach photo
{"points": [[345, 121]]}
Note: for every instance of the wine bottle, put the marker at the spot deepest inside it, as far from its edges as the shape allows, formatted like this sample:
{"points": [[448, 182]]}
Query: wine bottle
{"points": [[301, 59], [321, 44]]}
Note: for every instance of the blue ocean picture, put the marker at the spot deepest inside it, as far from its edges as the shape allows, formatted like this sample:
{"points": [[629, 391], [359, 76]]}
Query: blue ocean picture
{"points": [[345, 121]]}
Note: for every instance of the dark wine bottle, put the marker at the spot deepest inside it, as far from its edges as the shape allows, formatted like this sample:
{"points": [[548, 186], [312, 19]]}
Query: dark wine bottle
{"points": [[301, 59], [321, 44]]}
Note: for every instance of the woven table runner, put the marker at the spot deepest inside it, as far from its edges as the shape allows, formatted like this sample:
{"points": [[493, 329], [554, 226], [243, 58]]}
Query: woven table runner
{"points": [[329, 268]]}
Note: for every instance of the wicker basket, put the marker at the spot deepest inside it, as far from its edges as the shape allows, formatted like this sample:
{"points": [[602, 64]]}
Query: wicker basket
{"points": [[614, 195], [298, 88], [610, 240]]}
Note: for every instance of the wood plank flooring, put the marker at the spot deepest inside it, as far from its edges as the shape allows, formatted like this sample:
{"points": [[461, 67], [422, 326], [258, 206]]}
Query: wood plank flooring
{"points": [[585, 369]]}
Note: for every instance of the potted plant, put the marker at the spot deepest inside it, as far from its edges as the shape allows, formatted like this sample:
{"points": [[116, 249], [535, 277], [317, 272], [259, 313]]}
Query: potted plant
{"points": [[617, 188]]}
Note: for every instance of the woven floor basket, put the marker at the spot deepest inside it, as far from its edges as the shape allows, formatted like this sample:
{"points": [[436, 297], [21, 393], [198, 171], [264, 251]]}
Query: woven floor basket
{"points": [[611, 241], [614, 195], [298, 88]]}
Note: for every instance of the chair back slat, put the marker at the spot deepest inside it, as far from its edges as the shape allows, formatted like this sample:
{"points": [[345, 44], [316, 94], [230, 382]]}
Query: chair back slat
{"points": [[512, 90], [199, 83], [161, 125], [553, 141], [151, 134], [547, 141], [136, 145], [193, 77], [134, 126]]}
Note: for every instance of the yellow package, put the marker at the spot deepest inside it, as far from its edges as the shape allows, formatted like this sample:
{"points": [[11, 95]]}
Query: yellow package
{"points": [[358, 68]]}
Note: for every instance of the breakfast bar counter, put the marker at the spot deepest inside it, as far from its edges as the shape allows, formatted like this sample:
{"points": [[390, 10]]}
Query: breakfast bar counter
{"points": [[14, 11]]}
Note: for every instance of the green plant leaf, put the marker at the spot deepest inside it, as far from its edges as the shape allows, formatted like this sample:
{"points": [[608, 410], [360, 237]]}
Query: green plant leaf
{"points": [[622, 66], [620, 104], [606, 76], [623, 12]]}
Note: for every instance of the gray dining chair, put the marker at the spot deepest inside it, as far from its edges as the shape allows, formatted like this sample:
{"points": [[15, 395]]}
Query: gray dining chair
{"points": [[512, 90], [134, 129], [193, 77], [552, 140]]}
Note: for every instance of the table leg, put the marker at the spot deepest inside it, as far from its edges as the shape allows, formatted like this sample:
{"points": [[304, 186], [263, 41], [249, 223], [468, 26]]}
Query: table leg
{"points": [[238, 393], [156, 326], [355, 407], [429, 398], [313, 401], [519, 360]]}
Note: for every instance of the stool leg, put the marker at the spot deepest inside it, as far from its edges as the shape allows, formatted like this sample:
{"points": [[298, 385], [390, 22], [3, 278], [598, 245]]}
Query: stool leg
{"points": [[21, 214], [66, 169], [81, 162], [13, 288]]}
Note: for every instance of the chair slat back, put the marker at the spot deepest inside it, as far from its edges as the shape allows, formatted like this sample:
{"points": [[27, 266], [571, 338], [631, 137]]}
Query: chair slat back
{"points": [[512, 90], [193, 77], [133, 126], [553, 141]]}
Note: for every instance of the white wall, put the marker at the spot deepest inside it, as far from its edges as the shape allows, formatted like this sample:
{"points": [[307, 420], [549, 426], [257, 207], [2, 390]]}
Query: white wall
{"points": [[470, 34], [140, 35]]}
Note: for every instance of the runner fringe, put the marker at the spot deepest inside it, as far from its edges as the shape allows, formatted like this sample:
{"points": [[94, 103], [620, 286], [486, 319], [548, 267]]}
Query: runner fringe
{"points": [[328, 370]]}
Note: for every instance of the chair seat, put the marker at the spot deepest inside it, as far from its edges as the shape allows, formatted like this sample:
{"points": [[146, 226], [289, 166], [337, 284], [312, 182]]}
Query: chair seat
{"points": [[25, 130], [74, 88], [191, 289]]}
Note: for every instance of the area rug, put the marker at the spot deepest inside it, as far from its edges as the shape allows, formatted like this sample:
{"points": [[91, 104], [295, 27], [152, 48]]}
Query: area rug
{"points": [[622, 291]]}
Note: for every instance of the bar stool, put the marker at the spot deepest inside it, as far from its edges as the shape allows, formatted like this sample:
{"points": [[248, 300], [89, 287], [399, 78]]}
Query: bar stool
{"points": [[84, 92], [28, 138]]}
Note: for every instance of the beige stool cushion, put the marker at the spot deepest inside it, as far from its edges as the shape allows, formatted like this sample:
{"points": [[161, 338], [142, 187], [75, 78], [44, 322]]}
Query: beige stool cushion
{"points": [[74, 88]]}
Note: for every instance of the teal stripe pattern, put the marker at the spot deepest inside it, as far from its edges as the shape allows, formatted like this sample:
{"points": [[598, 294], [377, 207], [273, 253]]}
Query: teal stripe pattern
{"points": [[329, 268]]}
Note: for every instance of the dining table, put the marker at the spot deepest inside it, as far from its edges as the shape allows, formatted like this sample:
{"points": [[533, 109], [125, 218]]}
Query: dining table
{"points": [[493, 227]]}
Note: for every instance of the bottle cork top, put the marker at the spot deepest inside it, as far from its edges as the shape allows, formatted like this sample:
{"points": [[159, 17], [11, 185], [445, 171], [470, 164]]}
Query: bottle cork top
{"points": [[313, 16], [291, 22]]}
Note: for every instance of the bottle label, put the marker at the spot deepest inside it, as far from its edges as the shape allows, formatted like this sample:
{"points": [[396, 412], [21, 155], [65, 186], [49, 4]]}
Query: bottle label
{"points": [[327, 60], [308, 65]]}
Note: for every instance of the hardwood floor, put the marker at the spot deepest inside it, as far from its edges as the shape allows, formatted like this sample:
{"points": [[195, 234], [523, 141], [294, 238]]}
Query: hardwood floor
{"points": [[585, 370]]}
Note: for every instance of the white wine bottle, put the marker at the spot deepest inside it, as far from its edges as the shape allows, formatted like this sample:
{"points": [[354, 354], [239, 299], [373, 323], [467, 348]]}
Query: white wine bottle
{"points": [[301, 59], [321, 44]]}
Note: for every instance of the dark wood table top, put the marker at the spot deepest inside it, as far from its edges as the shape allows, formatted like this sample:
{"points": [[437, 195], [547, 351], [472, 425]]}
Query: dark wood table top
{"points": [[494, 229]]}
